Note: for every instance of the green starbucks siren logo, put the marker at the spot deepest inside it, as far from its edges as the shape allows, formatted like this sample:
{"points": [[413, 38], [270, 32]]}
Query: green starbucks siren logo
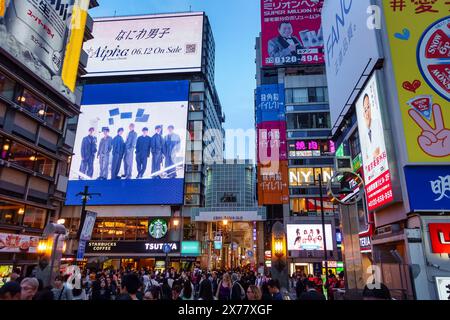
{"points": [[158, 228]]}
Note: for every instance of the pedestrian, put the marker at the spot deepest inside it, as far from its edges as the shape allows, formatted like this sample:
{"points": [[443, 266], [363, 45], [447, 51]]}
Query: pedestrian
{"points": [[188, 290], [129, 287], [153, 294], [224, 289], [10, 291], [274, 289], [61, 291], [166, 290], [311, 293], [266, 296], [79, 294], [29, 288], [176, 292], [376, 292], [237, 291], [214, 281], [300, 286], [205, 291], [254, 293]]}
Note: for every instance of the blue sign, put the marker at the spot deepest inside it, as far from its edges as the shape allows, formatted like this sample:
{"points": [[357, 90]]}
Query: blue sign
{"points": [[81, 250], [270, 104], [130, 143], [428, 188], [166, 248]]}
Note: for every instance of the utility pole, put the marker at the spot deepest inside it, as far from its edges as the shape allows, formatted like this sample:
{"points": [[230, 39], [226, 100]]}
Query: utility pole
{"points": [[85, 196], [323, 227]]}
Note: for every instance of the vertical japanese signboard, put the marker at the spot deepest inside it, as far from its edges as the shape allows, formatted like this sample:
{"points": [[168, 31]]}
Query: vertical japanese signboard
{"points": [[377, 176], [419, 35], [291, 32], [46, 37], [273, 187]]}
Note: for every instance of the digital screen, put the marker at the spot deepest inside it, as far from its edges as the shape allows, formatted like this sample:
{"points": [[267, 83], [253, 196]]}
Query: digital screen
{"points": [[308, 237], [130, 144]]}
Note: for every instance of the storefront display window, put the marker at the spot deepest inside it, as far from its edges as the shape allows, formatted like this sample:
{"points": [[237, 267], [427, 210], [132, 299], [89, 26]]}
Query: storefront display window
{"points": [[35, 217], [6, 87], [11, 213], [129, 229]]}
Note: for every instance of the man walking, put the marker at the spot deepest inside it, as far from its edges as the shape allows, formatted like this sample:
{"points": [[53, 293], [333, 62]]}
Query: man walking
{"points": [[118, 152], [88, 151], [171, 146], [104, 150], [130, 145], [157, 145], [142, 152]]}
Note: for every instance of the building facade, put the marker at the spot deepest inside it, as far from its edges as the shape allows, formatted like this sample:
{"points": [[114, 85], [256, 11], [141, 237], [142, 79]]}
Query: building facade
{"points": [[36, 106], [119, 223]]}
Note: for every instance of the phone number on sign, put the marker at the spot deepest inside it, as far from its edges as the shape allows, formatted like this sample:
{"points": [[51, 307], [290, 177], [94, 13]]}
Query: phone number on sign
{"points": [[293, 59]]}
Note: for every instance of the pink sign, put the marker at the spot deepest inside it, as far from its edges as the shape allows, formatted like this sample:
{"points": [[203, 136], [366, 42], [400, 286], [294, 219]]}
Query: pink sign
{"points": [[291, 32], [272, 144], [18, 243]]}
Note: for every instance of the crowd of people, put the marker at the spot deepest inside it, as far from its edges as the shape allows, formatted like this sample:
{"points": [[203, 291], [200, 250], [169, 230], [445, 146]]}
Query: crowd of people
{"points": [[234, 286]]}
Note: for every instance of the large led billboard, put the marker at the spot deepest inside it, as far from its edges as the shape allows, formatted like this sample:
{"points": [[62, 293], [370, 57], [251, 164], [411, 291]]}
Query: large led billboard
{"points": [[149, 44], [291, 32], [46, 37], [308, 237], [377, 177], [130, 144]]}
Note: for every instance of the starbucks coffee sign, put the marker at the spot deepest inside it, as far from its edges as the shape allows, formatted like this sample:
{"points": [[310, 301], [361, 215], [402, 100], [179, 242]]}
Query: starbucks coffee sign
{"points": [[157, 228]]}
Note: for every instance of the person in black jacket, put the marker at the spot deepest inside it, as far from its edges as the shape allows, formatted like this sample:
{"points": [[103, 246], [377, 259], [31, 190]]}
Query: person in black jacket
{"points": [[118, 152], [311, 293], [88, 151], [157, 146], [142, 152], [237, 291]]}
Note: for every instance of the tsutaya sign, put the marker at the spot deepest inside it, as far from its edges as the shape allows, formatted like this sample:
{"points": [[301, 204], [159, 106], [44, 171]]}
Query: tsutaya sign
{"points": [[216, 216]]}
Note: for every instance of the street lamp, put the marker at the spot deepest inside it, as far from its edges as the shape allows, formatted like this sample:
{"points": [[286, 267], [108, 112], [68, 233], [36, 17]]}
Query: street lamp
{"points": [[278, 247]]}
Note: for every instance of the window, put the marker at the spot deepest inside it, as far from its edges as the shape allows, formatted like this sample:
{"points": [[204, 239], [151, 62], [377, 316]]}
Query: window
{"points": [[11, 213], [318, 120], [29, 102], [35, 217], [130, 229], [355, 147], [26, 158], [6, 87], [307, 95], [308, 206], [54, 119], [192, 188], [38, 108]]}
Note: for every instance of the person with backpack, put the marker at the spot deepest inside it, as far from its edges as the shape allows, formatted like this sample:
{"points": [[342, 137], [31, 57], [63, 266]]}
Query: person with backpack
{"points": [[237, 291]]}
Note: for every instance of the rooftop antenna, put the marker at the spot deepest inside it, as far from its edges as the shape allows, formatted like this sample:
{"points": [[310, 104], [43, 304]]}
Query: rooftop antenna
{"points": [[115, 12]]}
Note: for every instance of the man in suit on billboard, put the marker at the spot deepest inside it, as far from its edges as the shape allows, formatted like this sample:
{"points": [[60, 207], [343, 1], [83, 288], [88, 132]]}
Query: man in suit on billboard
{"points": [[172, 144], [130, 146], [157, 146], [285, 45], [142, 152], [104, 151], [118, 151], [88, 151]]}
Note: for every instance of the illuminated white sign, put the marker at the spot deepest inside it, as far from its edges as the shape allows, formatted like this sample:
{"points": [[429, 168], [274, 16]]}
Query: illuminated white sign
{"points": [[146, 45]]}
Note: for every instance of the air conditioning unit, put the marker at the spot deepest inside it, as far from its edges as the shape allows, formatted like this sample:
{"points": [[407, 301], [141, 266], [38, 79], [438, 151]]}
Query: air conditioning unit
{"points": [[343, 164]]}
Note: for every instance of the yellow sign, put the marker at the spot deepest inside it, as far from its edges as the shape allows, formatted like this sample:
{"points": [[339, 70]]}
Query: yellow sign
{"points": [[75, 43], [419, 35], [2, 7]]}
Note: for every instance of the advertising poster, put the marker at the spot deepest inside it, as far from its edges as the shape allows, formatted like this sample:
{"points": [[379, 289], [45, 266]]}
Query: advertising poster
{"points": [[88, 226], [18, 243], [270, 103], [146, 45], [419, 35], [130, 144], [377, 176], [46, 37], [308, 237], [291, 32], [273, 184], [272, 143]]}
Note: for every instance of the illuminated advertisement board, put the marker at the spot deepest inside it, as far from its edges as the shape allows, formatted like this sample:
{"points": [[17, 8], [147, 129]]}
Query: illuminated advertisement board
{"points": [[308, 237], [149, 44], [377, 176], [291, 32], [130, 144]]}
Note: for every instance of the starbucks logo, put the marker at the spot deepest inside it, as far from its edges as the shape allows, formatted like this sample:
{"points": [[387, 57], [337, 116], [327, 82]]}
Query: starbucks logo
{"points": [[158, 228]]}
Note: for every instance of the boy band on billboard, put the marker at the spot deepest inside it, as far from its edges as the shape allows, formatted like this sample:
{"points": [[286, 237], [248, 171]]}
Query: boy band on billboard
{"points": [[157, 146]]}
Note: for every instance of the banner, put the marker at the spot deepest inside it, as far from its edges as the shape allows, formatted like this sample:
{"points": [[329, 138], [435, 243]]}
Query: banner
{"points": [[88, 226], [273, 184], [46, 37], [291, 32], [377, 176], [419, 35], [146, 45], [270, 104]]}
